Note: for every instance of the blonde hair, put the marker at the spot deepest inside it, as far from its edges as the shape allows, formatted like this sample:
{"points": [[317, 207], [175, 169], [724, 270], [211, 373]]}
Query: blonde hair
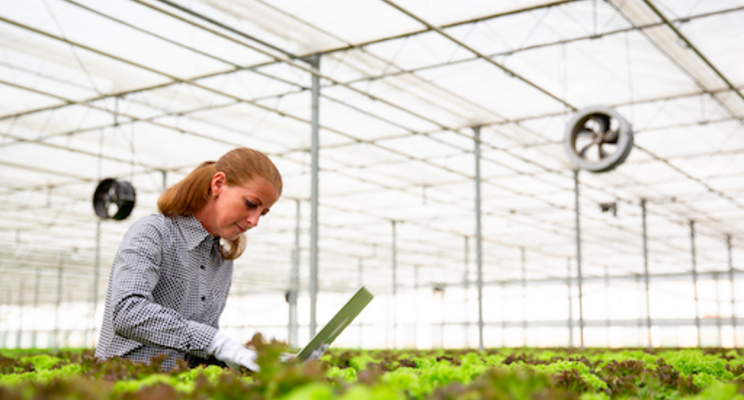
{"points": [[240, 166]]}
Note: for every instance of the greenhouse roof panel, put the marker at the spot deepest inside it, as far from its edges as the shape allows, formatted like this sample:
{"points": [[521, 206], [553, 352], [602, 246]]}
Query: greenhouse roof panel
{"points": [[146, 90]]}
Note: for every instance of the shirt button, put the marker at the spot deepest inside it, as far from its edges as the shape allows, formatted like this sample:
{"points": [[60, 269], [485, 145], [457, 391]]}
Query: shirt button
{"points": [[204, 298], [203, 267]]}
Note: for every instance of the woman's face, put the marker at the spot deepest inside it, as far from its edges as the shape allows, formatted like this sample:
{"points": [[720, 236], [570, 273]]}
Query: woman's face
{"points": [[236, 209]]}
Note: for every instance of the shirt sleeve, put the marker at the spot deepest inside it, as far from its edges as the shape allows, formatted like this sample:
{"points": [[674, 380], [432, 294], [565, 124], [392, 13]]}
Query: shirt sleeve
{"points": [[136, 316]]}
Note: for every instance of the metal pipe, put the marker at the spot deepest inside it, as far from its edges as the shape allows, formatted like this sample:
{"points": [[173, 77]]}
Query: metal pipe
{"points": [[570, 304], [465, 286], [361, 45], [415, 305], [694, 280], [59, 299], [478, 239], [607, 306], [689, 45], [361, 283], [315, 145], [503, 313], [96, 278], [718, 306], [394, 256], [524, 299], [640, 313], [578, 259], [733, 291], [20, 314], [6, 331], [480, 55], [37, 289], [645, 270], [294, 282]]}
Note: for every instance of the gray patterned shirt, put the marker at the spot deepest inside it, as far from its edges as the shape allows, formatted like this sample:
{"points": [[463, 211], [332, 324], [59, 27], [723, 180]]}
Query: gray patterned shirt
{"points": [[167, 289]]}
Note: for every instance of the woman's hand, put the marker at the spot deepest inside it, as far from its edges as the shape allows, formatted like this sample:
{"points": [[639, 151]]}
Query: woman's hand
{"points": [[232, 353]]}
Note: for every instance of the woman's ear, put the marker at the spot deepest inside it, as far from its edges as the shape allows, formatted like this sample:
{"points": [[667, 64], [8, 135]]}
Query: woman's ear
{"points": [[219, 180]]}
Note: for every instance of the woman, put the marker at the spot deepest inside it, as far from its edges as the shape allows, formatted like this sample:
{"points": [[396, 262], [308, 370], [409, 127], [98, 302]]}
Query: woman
{"points": [[172, 273]]}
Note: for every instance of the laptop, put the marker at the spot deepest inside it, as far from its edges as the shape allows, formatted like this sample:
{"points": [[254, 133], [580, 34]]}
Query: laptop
{"points": [[319, 344]]}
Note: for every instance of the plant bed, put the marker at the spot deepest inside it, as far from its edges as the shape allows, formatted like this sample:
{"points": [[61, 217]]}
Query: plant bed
{"points": [[521, 373]]}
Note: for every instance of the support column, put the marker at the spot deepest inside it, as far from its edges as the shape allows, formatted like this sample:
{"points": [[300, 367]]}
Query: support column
{"points": [[20, 314], [645, 271], [96, 278], [294, 283], [639, 285], [578, 260], [314, 63], [502, 286], [165, 179], [733, 291], [59, 300], [361, 283], [694, 280], [478, 241], [718, 308], [524, 299], [37, 289], [6, 331], [607, 306], [415, 304], [465, 287], [570, 304], [394, 260]]}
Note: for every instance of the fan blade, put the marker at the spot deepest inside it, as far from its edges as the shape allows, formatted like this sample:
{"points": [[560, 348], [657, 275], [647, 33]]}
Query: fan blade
{"points": [[585, 132], [602, 121], [611, 137], [584, 150], [601, 152]]}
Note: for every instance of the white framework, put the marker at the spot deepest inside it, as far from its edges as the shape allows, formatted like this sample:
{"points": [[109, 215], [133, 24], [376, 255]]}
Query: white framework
{"points": [[144, 90]]}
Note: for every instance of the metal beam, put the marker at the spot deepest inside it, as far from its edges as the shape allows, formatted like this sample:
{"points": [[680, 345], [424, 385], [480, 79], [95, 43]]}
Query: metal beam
{"points": [[607, 305], [57, 315], [570, 304], [394, 261], [294, 282], [694, 280], [96, 279], [19, 335], [645, 270], [361, 283], [37, 285], [718, 311], [692, 47], [733, 291], [524, 297], [466, 289], [314, 150], [478, 239], [578, 259], [480, 55]]}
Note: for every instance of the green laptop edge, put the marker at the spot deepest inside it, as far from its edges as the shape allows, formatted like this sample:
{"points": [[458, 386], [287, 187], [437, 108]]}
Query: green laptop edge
{"points": [[336, 325]]}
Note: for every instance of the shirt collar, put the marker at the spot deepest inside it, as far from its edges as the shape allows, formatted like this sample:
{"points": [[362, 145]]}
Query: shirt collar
{"points": [[193, 231]]}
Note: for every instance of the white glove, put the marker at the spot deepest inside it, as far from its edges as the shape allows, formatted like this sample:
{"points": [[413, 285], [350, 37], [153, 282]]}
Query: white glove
{"points": [[232, 353], [318, 352], [287, 357]]}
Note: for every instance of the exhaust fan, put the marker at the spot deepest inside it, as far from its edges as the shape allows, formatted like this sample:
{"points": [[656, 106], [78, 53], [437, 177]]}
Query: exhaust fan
{"points": [[114, 199], [598, 139]]}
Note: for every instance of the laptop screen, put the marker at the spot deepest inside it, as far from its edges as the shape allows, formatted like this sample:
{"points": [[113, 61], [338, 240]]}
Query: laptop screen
{"points": [[336, 325]]}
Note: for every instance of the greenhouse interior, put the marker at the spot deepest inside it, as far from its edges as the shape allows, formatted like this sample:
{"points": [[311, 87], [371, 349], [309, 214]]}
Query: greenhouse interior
{"points": [[497, 173]]}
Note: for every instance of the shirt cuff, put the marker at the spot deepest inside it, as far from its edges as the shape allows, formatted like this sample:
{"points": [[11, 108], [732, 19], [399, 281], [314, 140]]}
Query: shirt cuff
{"points": [[197, 339]]}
